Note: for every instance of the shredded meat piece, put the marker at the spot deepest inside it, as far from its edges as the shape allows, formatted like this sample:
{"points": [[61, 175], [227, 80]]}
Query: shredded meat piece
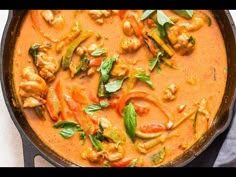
{"points": [[33, 88]]}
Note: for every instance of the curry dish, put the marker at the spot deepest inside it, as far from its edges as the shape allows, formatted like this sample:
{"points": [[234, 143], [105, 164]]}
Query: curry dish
{"points": [[119, 88]]}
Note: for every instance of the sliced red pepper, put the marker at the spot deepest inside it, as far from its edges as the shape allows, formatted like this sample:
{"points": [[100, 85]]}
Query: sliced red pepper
{"points": [[121, 163], [83, 119], [133, 94], [152, 128], [122, 13], [142, 94], [95, 62], [60, 94], [53, 104]]}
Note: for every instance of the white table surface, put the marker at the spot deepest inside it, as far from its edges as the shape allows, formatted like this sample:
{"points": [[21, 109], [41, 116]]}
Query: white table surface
{"points": [[11, 153]]}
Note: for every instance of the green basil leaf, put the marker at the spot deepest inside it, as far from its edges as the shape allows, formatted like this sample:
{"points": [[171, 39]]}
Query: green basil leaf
{"points": [[96, 143], [130, 120], [106, 67], [114, 86], [104, 104], [146, 14], [92, 108], [145, 78], [159, 156], [69, 129], [63, 124], [99, 52], [33, 51], [185, 13], [152, 63], [67, 132], [95, 107], [82, 136], [162, 19]]}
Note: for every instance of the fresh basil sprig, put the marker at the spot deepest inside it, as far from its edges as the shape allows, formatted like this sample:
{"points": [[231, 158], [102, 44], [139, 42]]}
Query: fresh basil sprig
{"points": [[130, 121], [114, 86], [185, 13], [69, 129], [95, 107], [146, 14], [156, 62], [145, 78], [106, 67], [97, 144]]}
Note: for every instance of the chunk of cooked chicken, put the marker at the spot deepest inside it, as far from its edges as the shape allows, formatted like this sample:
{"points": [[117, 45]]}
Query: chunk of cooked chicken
{"points": [[129, 45], [99, 15], [169, 92], [198, 20], [47, 65], [33, 89], [181, 40], [51, 18]]}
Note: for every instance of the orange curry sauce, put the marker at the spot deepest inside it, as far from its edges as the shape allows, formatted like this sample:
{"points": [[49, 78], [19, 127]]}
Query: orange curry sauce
{"points": [[154, 117]]}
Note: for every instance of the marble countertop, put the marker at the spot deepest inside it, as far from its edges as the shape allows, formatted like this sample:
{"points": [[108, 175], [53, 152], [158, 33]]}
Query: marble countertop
{"points": [[11, 153]]}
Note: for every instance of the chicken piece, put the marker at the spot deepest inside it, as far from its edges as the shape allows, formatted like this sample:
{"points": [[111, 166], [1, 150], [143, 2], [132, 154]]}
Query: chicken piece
{"points": [[169, 92], [181, 40], [99, 15], [33, 89], [129, 45], [127, 28], [198, 20], [49, 17], [47, 65]]}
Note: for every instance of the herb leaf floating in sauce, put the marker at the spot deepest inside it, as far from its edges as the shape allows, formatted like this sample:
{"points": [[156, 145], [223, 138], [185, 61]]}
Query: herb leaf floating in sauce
{"points": [[99, 52], [185, 13], [69, 129], [95, 107], [156, 62], [145, 78], [106, 67], [146, 14], [162, 19], [114, 86], [159, 156], [130, 120], [96, 143], [164, 22], [33, 51]]}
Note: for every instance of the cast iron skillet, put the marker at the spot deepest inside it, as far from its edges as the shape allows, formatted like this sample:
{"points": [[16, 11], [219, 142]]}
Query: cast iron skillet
{"points": [[33, 146]]}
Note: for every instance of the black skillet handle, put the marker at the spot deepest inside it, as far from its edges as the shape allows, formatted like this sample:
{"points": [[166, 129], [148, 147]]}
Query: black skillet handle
{"points": [[29, 152]]}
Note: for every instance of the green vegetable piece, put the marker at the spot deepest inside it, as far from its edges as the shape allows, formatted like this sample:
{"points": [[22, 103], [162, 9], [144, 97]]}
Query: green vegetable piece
{"points": [[69, 129], [39, 111], [95, 107], [114, 134], [33, 51], [106, 67], [101, 92], [96, 143], [130, 121], [145, 78], [99, 52], [185, 13], [114, 86], [146, 14], [74, 44], [159, 156], [162, 19]]}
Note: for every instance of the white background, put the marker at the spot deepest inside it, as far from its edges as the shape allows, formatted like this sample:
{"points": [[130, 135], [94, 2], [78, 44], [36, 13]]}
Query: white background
{"points": [[11, 153]]}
